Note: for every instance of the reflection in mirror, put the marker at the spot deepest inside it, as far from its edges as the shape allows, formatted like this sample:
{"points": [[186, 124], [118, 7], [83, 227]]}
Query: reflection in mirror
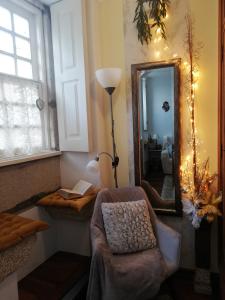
{"points": [[156, 130]]}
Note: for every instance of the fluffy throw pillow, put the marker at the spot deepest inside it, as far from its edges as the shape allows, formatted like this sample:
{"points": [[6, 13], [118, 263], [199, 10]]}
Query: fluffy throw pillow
{"points": [[128, 226]]}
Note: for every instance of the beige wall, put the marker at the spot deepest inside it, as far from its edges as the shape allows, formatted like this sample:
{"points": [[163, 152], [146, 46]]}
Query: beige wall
{"points": [[118, 47], [206, 22], [105, 49], [20, 182], [113, 55], [112, 41], [206, 31]]}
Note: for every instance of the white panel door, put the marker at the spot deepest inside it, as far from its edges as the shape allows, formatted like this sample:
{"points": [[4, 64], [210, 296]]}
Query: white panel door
{"points": [[68, 47]]}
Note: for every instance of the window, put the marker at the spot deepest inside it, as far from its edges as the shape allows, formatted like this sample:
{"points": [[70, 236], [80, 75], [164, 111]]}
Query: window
{"points": [[16, 43], [24, 121]]}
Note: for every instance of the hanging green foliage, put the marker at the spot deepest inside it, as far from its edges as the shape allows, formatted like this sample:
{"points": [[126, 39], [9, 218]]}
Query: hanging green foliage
{"points": [[150, 14]]}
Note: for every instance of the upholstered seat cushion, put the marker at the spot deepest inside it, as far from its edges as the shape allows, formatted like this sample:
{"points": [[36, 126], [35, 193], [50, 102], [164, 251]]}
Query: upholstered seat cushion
{"points": [[126, 272], [77, 204], [128, 226], [13, 229]]}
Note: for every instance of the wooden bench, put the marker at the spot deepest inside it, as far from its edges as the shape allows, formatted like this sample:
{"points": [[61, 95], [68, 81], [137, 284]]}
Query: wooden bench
{"points": [[75, 209], [17, 236]]}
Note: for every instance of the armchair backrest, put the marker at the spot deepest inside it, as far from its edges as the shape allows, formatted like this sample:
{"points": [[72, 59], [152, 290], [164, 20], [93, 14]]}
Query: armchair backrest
{"points": [[119, 195]]}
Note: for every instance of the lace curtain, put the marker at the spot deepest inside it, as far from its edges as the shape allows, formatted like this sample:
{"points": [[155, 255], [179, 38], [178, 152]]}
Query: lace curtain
{"points": [[21, 122]]}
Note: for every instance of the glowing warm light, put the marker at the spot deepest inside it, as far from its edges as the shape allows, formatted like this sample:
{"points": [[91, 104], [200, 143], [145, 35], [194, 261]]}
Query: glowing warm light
{"points": [[187, 68], [166, 48], [157, 54], [196, 74], [158, 30], [175, 55], [167, 16], [195, 86]]}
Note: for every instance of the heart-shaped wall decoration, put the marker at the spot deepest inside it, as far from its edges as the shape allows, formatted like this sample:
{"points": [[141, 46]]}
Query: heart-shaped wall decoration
{"points": [[40, 104]]}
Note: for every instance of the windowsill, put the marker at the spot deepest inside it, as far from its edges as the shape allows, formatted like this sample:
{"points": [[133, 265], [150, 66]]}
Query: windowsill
{"points": [[24, 159]]}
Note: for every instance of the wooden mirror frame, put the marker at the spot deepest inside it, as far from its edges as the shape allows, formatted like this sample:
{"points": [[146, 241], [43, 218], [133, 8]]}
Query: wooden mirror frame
{"points": [[136, 69]]}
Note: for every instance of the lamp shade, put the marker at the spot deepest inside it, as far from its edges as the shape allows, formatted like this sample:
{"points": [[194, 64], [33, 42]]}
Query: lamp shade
{"points": [[109, 77], [93, 166]]}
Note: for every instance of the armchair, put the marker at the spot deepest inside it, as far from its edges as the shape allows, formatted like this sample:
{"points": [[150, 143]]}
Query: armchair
{"points": [[135, 276]]}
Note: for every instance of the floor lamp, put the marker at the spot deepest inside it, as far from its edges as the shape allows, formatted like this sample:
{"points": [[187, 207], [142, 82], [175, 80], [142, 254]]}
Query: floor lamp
{"points": [[109, 79]]}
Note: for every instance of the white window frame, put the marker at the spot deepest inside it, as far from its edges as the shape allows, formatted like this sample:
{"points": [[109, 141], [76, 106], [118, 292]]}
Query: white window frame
{"points": [[34, 15], [14, 8]]}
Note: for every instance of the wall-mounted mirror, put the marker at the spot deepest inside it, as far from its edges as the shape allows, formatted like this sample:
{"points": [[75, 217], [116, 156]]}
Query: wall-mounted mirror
{"points": [[156, 124]]}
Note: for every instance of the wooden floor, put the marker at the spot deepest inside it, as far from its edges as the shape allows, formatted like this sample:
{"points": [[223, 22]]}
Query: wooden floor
{"points": [[55, 277], [180, 287]]}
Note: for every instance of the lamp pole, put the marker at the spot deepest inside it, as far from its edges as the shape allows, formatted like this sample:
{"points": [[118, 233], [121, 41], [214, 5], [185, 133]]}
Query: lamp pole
{"points": [[109, 79], [115, 162]]}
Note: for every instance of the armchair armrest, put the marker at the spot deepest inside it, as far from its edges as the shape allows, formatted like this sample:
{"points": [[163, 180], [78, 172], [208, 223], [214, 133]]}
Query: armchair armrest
{"points": [[169, 242], [100, 253], [99, 243]]}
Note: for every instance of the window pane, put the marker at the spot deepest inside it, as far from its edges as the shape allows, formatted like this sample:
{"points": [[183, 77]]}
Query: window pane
{"points": [[36, 139], [17, 116], [24, 69], [2, 114], [13, 93], [23, 48], [19, 141], [21, 26], [34, 117], [2, 141], [6, 42], [7, 64], [5, 18]]}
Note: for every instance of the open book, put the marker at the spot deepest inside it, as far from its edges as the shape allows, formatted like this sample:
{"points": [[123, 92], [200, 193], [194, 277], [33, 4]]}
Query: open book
{"points": [[80, 189]]}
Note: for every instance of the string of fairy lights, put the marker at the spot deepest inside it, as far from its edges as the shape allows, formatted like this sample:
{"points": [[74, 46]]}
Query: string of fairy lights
{"points": [[198, 185], [191, 166]]}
